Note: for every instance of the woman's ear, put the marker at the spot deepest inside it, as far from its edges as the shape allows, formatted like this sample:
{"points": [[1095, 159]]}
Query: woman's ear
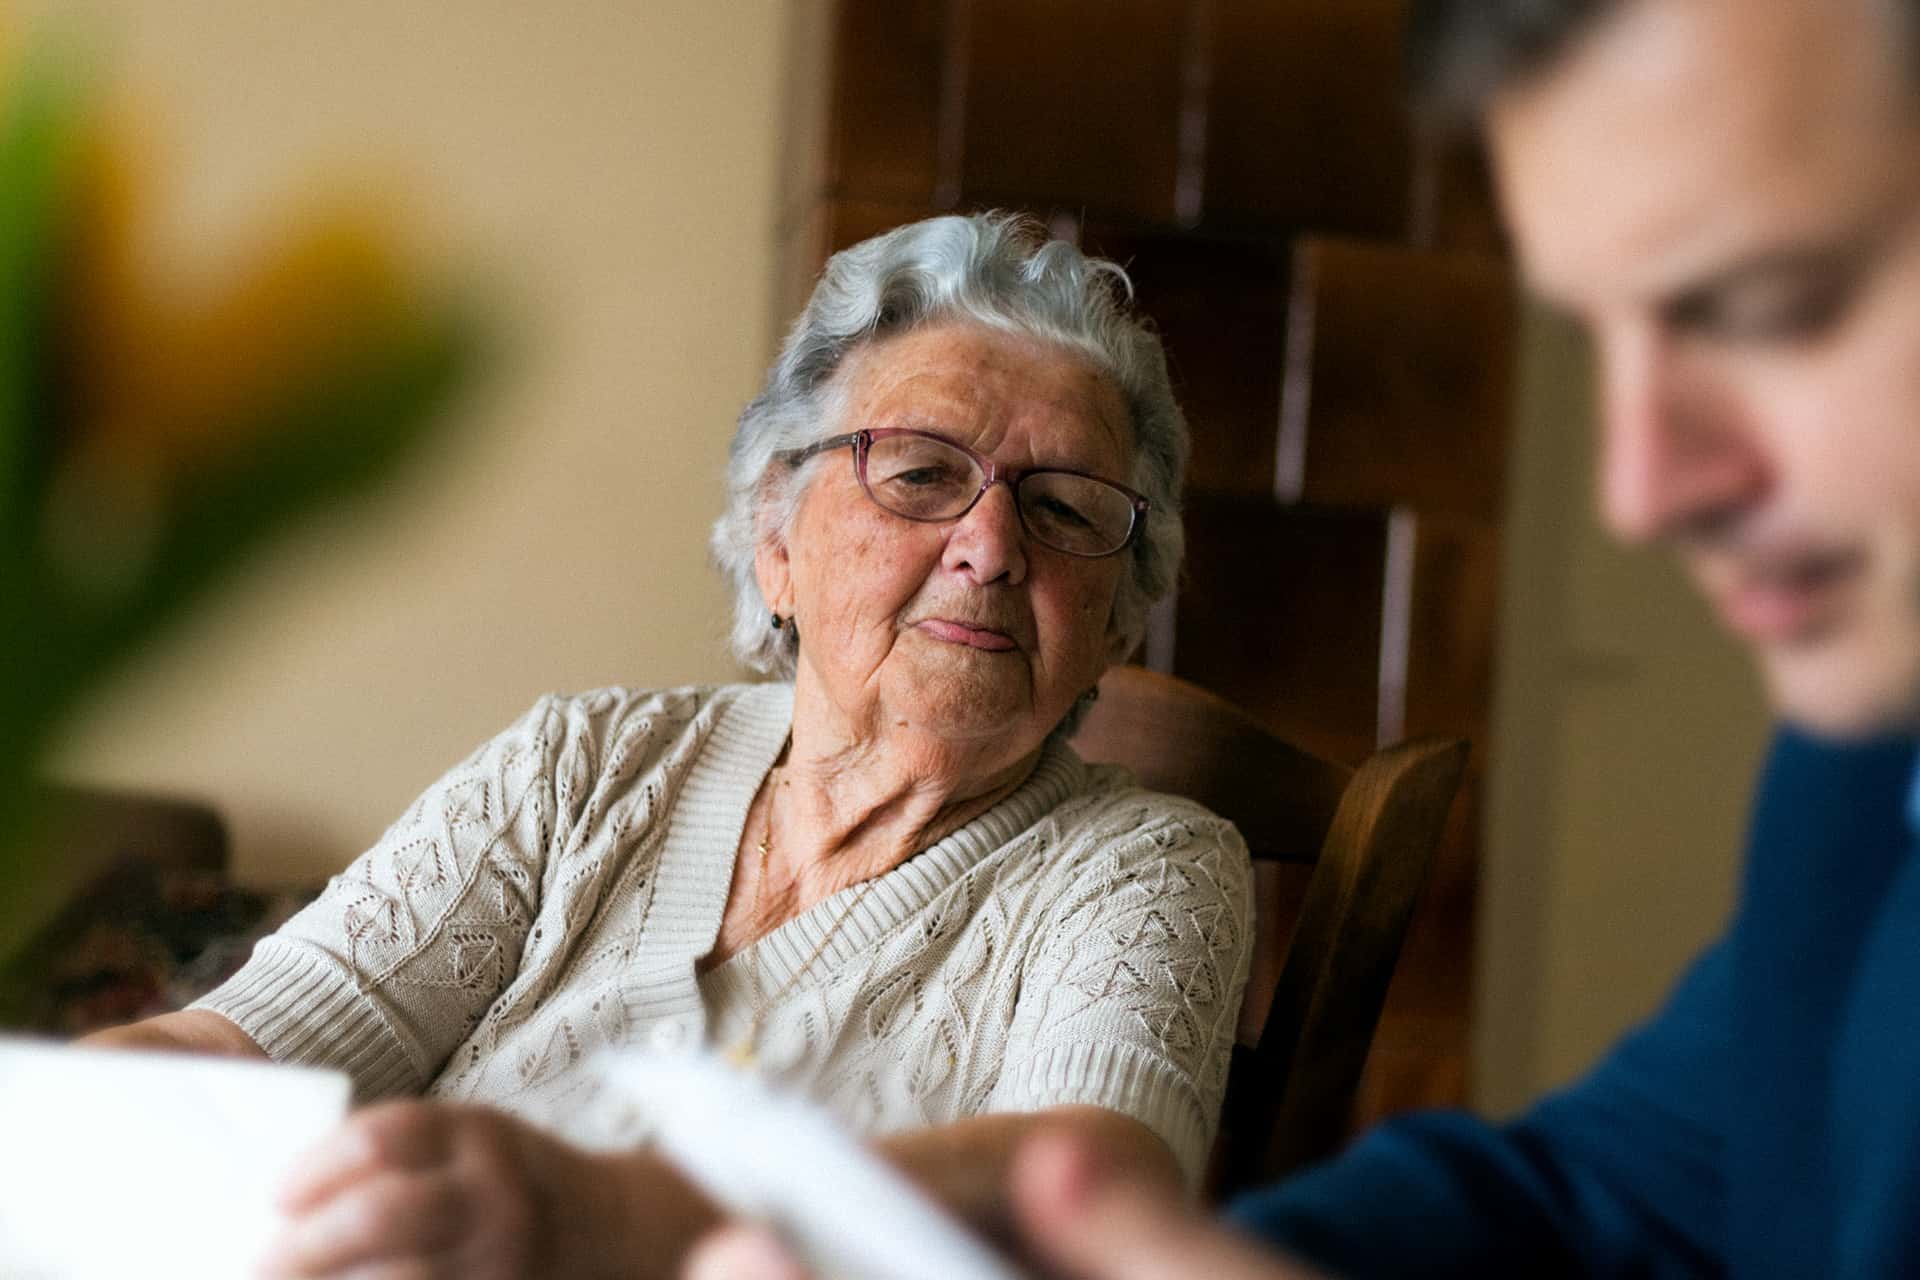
{"points": [[774, 572], [1120, 645]]}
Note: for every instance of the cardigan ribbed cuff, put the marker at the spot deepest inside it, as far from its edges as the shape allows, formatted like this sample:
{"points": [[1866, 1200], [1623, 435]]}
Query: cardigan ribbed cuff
{"points": [[300, 1007], [1120, 1078]]}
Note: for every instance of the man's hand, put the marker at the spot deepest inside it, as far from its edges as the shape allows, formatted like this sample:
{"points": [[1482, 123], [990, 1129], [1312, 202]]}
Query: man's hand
{"points": [[743, 1251], [1089, 1221]]}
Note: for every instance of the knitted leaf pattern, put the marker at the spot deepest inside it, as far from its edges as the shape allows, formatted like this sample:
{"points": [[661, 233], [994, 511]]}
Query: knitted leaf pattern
{"points": [[1083, 942]]}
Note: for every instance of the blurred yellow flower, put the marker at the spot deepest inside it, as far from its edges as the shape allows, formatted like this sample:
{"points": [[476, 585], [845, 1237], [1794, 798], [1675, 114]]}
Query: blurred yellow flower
{"points": [[169, 378], [153, 433], [155, 381]]}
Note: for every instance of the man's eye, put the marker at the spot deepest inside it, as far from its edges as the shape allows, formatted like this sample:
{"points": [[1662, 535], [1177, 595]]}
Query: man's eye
{"points": [[1784, 313]]}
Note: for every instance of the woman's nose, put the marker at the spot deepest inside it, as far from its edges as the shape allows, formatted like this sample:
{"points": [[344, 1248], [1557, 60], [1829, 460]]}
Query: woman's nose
{"points": [[988, 543]]}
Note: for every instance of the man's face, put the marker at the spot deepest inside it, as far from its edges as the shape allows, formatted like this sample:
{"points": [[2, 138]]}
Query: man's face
{"points": [[1725, 193]]}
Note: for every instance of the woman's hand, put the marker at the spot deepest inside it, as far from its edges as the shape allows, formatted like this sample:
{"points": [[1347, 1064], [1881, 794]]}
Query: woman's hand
{"points": [[1082, 1214], [1086, 1219], [967, 1165], [420, 1190], [188, 1031]]}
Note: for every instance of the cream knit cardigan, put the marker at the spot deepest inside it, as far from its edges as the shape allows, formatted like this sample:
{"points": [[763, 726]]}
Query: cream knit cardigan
{"points": [[1083, 941]]}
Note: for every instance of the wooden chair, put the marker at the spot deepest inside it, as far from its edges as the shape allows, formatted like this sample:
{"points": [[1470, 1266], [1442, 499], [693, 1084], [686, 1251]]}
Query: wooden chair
{"points": [[1360, 840]]}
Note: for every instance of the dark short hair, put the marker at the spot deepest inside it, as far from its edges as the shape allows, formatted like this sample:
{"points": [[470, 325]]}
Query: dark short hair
{"points": [[1461, 52]]}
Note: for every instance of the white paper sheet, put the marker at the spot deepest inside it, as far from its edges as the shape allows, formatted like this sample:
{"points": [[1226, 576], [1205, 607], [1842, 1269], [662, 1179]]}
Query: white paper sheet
{"points": [[143, 1164], [775, 1157]]}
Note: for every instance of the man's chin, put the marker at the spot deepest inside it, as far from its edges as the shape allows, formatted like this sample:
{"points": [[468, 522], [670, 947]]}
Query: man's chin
{"points": [[1843, 695]]}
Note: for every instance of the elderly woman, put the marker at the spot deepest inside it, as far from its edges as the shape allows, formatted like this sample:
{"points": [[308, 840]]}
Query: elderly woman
{"points": [[882, 877]]}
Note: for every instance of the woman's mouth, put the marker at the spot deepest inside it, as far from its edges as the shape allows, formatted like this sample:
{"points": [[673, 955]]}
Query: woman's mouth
{"points": [[973, 637]]}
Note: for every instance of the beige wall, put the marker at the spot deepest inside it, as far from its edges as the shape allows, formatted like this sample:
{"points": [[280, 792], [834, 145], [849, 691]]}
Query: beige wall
{"points": [[612, 168], [1628, 728]]}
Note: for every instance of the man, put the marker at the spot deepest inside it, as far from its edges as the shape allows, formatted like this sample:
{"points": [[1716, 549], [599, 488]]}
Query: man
{"points": [[1727, 194]]}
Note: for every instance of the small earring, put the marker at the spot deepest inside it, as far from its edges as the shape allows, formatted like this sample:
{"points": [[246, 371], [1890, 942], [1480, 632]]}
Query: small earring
{"points": [[778, 622]]}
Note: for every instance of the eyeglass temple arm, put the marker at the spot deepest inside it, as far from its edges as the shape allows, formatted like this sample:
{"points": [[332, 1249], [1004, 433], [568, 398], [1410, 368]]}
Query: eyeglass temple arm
{"points": [[794, 457]]}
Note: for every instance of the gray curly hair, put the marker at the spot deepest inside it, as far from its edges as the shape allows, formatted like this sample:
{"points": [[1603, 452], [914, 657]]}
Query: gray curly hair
{"points": [[994, 270]]}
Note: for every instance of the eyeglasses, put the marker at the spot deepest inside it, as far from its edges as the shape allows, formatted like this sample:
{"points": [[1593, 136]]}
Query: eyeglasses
{"points": [[925, 477]]}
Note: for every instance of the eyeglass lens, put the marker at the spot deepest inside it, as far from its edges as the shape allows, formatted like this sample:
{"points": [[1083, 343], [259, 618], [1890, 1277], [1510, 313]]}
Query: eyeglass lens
{"points": [[927, 479]]}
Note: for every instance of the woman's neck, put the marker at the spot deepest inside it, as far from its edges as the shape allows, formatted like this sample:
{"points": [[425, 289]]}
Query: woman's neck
{"points": [[842, 807]]}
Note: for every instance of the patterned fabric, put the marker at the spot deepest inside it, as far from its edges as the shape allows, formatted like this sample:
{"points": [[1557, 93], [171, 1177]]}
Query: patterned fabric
{"points": [[144, 939], [1084, 941]]}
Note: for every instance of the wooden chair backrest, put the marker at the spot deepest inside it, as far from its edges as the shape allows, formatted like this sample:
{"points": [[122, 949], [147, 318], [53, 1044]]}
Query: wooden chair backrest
{"points": [[1349, 846]]}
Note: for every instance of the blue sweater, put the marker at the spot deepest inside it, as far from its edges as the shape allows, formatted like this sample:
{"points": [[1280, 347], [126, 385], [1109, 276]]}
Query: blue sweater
{"points": [[1765, 1123]]}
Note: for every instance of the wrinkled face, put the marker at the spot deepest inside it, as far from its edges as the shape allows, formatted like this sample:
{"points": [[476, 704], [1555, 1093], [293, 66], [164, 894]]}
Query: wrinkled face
{"points": [[1725, 192], [966, 630]]}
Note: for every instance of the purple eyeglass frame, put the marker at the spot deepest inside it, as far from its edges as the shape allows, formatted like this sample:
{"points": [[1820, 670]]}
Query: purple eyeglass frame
{"points": [[990, 475]]}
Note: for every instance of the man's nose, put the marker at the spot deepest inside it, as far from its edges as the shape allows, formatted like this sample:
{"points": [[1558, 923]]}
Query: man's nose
{"points": [[1676, 452], [988, 543]]}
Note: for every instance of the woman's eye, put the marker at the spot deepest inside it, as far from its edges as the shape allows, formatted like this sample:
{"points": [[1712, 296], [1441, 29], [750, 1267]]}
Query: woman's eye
{"points": [[921, 477], [1060, 512]]}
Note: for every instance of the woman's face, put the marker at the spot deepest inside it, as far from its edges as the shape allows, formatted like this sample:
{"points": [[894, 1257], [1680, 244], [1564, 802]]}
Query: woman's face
{"points": [[965, 632]]}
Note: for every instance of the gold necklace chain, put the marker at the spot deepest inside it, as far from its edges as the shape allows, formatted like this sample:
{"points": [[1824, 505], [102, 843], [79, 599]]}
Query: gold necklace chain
{"points": [[745, 1054]]}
